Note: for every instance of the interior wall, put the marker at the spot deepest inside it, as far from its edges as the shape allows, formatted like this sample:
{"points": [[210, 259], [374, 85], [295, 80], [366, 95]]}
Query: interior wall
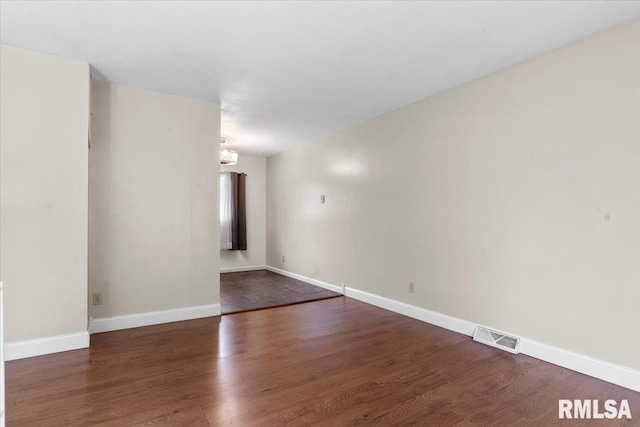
{"points": [[153, 201], [256, 193], [44, 117], [511, 201]]}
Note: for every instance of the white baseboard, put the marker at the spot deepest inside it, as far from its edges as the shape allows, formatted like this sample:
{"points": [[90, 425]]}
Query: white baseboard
{"points": [[610, 372], [432, 317], [309, 280], [137, 320], [606, 371], [240, 269], [38, 347]]}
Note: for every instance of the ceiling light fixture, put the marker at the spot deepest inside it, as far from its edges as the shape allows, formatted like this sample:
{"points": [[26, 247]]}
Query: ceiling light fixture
{"points": [[227, 157]]}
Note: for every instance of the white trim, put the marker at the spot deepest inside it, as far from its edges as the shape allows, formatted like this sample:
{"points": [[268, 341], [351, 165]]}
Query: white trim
{"points": [[40, 346], [137, 320], [606, 371], [240, 269], [309, 280], [616, 374], [432, 317]]}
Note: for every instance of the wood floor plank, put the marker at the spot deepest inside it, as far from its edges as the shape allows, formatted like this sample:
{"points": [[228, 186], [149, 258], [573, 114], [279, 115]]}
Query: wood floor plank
{"points": [[331, 362], [255, 290]]}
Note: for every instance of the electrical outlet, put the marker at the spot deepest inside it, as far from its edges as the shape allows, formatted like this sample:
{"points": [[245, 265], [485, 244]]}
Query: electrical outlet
{"points": [[322, 198], [97, 298], [412, 287], [282, 258]]}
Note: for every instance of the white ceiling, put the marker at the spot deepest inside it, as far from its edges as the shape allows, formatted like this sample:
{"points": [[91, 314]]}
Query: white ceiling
{"points": [[289, 72]]}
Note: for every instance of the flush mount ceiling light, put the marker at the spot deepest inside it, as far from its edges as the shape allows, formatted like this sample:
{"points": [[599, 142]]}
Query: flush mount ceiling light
{"points": [[227, 157]]}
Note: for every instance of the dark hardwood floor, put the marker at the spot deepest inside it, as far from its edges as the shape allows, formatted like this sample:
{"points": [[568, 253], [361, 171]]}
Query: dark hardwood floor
{"points": [[254, 290], [334, 362]]}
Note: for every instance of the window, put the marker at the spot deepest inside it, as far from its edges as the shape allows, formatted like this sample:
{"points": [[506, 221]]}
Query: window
{"points": [[233, 221]]}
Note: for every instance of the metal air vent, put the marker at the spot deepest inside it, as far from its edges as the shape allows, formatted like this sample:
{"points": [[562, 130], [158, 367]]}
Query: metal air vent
{"points": [[497, 339]]}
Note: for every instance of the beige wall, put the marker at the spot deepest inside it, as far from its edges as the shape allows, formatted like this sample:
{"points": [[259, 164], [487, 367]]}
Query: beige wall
{"points": [[256, 192], [512, 201], [44, 116], [153, 202]]}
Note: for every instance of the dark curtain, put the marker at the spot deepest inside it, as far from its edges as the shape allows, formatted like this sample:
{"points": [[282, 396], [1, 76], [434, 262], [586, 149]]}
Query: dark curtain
{"points": [[239, 212]]}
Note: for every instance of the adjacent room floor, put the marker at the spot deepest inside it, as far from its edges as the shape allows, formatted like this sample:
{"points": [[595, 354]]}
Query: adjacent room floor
{"points": [[254, 290], [333, 362]]}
